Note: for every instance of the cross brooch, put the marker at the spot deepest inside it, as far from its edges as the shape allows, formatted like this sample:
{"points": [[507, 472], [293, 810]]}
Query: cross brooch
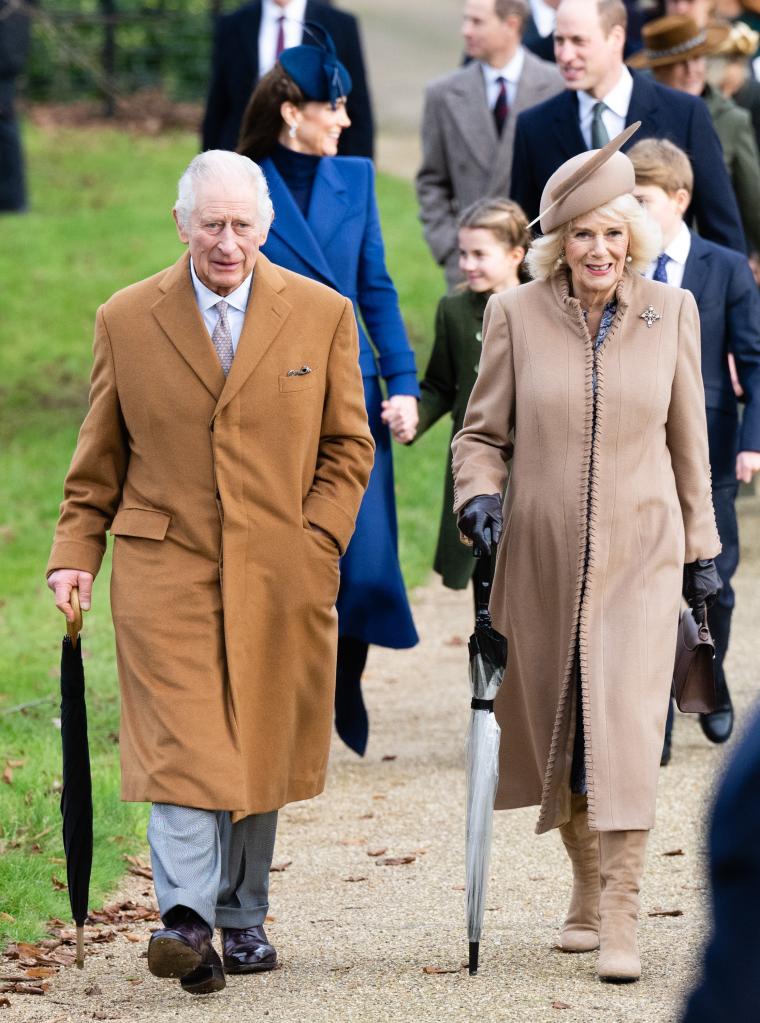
{"points": [[649, 316]]}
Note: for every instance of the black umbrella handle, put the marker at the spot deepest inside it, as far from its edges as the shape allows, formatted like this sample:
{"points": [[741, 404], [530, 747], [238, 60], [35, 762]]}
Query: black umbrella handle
{"points": [[482, 578], [75, 627]]}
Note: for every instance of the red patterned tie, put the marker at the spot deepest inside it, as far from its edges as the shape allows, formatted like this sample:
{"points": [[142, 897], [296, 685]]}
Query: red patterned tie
{"points": [[280, 37], [501, 107]]}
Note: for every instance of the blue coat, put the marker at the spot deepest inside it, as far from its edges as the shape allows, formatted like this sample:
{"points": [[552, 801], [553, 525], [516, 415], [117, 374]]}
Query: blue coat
{"points": [[729, 317], [549, 133], [340, 244], [730, 986]]}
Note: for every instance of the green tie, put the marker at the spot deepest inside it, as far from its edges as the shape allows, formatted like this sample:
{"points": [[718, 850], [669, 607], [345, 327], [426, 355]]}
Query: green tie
{"points": [[599, 136]]}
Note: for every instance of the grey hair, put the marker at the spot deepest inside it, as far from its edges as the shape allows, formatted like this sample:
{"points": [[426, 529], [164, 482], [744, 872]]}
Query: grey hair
{"points": [[213, 165], [546, 255]]}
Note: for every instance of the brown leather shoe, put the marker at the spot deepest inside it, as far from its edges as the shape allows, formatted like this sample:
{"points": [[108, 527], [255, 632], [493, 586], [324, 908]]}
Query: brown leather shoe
{"points": [[179, 949], [247, 950], [206, 978]]}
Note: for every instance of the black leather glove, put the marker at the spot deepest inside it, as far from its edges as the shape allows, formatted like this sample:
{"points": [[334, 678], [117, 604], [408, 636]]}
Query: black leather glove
{"points": [[701, 582], [480, 520]]}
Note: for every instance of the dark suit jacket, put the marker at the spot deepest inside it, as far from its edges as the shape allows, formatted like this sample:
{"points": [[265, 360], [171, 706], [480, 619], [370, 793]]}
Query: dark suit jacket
{"points": [[235, 72], [730, 985], [549, 134], [729, 315]]}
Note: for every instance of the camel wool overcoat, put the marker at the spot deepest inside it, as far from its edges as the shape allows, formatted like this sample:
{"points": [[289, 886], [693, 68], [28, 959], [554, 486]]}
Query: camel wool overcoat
{"points": [[608, 496], [222, 595]]}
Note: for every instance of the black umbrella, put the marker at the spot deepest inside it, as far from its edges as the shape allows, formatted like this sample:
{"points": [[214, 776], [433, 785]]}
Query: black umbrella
{"points": [[488, 659], [76, 796]]}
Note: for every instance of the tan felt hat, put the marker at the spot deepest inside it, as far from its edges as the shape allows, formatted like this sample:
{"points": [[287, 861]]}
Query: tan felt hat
{"points": [[587, 181], [677, 38]]}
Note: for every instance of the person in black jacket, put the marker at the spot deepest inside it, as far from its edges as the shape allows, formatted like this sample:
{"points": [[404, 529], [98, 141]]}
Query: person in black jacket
{"points": [[246, 45], [602, 97], [14, 48]]}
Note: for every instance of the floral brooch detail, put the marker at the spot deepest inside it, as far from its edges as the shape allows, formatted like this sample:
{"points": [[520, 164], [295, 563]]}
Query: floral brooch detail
{"points": [[649, 316]]}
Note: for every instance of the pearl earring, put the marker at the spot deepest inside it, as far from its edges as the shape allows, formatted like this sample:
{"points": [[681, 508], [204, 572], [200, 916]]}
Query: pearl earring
{"points": [[629, 259], [292, 131]]}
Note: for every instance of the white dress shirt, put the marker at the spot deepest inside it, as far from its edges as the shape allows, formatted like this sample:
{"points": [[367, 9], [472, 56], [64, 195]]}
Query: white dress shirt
{"points": [[544, 17], [510, 73], [294, 12], [617, 101], [678, 250], [237, 303]]}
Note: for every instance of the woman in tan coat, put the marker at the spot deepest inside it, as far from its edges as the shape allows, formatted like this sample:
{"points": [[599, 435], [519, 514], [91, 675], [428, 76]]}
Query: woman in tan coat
{"points": [[590, 387]]}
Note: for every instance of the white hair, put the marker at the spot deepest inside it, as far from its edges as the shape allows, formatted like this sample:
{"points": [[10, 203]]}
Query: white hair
{"points": [[218, 164], [546, 254]]}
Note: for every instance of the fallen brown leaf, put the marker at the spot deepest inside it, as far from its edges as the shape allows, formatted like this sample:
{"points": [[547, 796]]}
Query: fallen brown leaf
{"points": [[146, 872], [441, 969], [673, 852], [389, 756], [377, 852], [455, 641], [666, 912], [355, 877], [269, 919], [5, 1003], [131, 936], [379, 796], [8, 776], [277, 868], [395, 861], [457, 888], [7, 918], [40, 972], [58, 884], [15, 763], [560, 1005], [366, 817]]}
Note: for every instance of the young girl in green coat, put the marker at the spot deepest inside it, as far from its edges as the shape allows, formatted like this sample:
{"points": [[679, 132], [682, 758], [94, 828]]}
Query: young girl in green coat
{"points": [[493, 239]]}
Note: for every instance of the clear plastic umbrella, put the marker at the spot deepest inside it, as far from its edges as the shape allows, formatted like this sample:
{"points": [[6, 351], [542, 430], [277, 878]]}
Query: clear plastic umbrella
{"points": [[488, 658]]}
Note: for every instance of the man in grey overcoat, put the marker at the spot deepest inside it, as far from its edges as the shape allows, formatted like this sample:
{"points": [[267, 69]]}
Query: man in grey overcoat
{"points": [[468, 124]]}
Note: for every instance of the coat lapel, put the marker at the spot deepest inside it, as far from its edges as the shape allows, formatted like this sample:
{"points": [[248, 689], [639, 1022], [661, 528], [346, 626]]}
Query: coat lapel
{"points": [[468, 105], [266, 313], [250, 38], [179, 317], [697, 270], [643, 107], [567, 140], [330, 201], [290, 226]]}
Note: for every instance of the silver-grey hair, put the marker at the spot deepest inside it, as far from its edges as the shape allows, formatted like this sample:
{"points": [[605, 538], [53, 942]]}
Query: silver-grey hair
{"points": [[546, 255], [213, 165]]}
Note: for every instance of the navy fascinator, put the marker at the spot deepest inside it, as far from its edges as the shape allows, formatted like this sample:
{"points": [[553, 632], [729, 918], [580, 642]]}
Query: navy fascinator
{"points": [[316, 69]]}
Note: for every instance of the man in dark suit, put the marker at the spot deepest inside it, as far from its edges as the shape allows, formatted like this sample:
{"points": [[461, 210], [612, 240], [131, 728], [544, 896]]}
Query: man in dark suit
{"points": [[246, 45], [729, 988], [729, 315], [14, 48], [601, 97]]}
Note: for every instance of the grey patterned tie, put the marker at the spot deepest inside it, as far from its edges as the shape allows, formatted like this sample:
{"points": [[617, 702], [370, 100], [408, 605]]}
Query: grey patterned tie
{"points": [[222, 337], [599, 136]]}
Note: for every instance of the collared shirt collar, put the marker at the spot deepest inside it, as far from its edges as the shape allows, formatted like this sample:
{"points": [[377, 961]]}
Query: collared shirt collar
{"points": [[678, 250], [510, 72], [295, 10], [206, 298], [618, 99]]}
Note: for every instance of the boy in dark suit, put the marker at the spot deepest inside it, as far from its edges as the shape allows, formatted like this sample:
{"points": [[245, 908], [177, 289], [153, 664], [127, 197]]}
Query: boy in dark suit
{"points": [[729, 312]]}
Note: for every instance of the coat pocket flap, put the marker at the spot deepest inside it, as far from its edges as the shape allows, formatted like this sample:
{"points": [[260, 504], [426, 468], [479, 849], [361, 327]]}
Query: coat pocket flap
{"points": [[145, 522], [299, 382]]}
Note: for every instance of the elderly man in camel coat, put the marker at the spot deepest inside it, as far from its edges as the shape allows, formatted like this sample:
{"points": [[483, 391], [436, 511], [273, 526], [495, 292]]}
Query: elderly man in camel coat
{"points": [[227, 450]]}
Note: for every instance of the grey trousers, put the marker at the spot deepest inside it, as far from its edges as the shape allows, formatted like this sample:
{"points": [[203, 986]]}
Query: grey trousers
{"points": [[203, 861]]}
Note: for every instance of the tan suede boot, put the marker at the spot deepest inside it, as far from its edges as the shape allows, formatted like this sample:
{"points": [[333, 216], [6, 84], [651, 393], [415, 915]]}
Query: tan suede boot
{"points": [[622, 866], [580, 932]]}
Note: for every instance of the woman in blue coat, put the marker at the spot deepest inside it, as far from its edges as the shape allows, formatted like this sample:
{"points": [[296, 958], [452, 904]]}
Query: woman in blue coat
{"points": [[327, 227]]}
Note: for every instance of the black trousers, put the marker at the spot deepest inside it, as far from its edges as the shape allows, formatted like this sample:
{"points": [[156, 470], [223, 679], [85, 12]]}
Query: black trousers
{"points": [[12, 185]]}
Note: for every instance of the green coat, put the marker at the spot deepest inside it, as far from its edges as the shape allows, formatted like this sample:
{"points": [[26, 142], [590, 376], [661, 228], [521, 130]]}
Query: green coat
{"points": [[734, 128], [449, 379]]}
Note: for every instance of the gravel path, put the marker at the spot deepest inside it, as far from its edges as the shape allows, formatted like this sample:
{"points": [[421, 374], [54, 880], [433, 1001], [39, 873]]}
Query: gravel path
{"points": [[355, 935]]}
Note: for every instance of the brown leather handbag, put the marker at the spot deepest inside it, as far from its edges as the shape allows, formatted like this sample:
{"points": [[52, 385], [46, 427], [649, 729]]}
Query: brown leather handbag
{"points": [[694, 671]]}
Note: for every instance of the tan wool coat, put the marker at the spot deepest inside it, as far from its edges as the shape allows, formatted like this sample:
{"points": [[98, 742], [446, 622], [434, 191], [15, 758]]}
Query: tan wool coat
{"points": [[608, 497], [222, 595]]}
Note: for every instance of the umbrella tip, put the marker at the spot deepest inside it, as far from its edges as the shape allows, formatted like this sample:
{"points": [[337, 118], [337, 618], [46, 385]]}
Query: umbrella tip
{"points": [[474, 956], [80, 948]]}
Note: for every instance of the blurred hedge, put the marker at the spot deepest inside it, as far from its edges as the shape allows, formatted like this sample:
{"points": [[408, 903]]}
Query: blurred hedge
{"points": [[164, 44]]}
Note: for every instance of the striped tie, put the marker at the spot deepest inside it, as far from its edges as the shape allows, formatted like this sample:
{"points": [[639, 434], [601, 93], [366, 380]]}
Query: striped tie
{"points": [[222, 337]]}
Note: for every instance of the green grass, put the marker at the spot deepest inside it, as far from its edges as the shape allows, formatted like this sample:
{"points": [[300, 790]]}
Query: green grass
{"points": [[100, 220]]}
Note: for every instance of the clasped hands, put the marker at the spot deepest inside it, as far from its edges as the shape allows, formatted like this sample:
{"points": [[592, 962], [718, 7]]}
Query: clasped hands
{"points": [[401, 416]]}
